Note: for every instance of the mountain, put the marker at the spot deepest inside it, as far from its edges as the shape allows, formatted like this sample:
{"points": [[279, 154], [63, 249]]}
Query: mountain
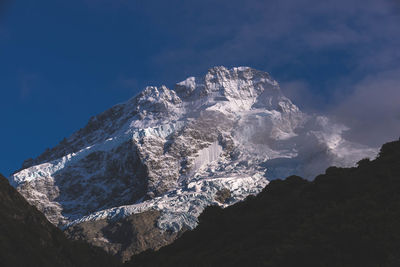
{"points": [[345, 217], [27, 238], [152, 164]]}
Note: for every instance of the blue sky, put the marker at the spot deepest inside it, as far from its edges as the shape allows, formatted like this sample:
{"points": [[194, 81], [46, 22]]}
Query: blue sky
{"points": [[62, 62]]}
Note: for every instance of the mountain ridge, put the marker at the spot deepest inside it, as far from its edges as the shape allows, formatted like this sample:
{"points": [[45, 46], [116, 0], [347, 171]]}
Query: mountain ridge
{"points": [[28, 239], [345, 217], [175, 150]]}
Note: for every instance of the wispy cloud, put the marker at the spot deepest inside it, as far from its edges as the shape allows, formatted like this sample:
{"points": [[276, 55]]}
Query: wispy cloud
{"points": [[336, 56], [274, 34], [373, 109], [299, 92], [357, 43]]}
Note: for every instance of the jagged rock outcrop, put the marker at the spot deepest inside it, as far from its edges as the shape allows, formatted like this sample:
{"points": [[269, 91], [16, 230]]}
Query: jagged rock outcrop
{"points": [[176, 150]]}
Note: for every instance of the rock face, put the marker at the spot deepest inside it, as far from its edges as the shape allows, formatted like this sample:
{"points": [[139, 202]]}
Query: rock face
{"points": [[28, 239], [126, 237], [345, 217], [178, 151]]}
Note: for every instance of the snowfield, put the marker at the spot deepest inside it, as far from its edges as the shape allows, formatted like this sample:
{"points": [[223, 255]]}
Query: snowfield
{"points": [[176, 150]]}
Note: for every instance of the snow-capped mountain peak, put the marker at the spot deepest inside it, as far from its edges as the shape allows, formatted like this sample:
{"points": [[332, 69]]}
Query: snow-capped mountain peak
{"points": [[175, 151]]}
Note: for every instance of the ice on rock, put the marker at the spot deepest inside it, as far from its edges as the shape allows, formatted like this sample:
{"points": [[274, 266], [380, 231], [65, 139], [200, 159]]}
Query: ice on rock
{"points": [[173, 150], [207, 155]]}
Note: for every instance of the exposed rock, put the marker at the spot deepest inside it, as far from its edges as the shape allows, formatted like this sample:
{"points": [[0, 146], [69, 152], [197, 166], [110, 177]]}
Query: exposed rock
{"points": [[345, 217], [173, 150], [223, 195], [126, 237]]}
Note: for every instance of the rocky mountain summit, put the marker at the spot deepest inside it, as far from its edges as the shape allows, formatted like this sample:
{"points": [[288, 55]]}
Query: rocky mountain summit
{"points": [[169, 153]]}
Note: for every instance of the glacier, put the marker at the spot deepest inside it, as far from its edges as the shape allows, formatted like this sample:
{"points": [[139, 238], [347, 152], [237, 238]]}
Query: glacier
{"points": [[173, 150]]}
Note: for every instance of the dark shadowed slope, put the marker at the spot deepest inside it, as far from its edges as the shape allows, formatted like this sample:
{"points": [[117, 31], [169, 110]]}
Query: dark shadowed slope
{"points": [[346, 217], [28, 239]]}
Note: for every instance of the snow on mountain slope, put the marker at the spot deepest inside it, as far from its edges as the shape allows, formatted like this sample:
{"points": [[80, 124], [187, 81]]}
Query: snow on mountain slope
{"points": [[175, 150]]}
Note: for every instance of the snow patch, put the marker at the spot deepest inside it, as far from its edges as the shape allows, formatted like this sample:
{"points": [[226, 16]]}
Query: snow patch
{"points": [[206, 156]]}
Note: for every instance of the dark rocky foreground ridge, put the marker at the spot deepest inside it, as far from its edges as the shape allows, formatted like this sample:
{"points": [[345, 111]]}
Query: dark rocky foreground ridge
{"points": [[345, 217], [27, 238], [210, 140]]}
